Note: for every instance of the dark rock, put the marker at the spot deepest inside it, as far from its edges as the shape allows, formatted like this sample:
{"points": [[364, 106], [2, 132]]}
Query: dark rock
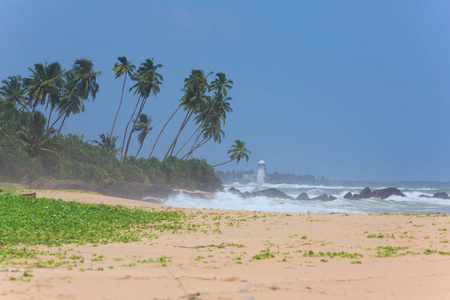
{"points": [[323, 197], [302, 196], [348, 195], [386, 193], [235, 191], [45, 183], [272, 193], [331, 198], [365, 193], [425, 196], [442, 195]]}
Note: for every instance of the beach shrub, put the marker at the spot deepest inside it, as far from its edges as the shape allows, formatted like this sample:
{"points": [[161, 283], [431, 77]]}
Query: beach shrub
{"points": [[81, 171], [190, 174], [15, 166], [132, 173]]}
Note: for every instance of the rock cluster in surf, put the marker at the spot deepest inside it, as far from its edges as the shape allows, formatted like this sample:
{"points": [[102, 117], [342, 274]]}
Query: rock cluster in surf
{"points": [[366, 193]]}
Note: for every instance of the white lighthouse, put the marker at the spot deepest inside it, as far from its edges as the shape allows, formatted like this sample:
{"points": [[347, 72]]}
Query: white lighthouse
{"points": [[261, 174]]}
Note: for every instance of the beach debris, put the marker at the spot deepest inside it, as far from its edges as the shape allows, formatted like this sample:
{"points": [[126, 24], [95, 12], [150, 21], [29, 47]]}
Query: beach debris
{"points": [[31, 195], [244, 287], [302, 278], [14, 270]]}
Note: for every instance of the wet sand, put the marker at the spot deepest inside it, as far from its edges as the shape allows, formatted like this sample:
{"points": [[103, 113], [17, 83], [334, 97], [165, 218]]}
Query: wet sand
{"points": [[301, 256]]}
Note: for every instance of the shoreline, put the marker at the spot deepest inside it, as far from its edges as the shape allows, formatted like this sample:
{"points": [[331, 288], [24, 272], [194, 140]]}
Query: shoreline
{"points": [[231, 254]]}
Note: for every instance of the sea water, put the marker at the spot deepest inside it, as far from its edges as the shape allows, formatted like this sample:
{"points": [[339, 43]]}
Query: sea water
{"points": [[412, 203]]}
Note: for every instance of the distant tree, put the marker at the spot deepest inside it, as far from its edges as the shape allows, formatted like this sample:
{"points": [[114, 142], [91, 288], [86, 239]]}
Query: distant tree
{"points": [[143, 127], [108, 143], [237, 152], [13, 91], [123, 67]]}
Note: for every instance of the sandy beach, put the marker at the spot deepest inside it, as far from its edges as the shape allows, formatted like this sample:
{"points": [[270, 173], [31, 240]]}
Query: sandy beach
{"points": [[249, 255]]}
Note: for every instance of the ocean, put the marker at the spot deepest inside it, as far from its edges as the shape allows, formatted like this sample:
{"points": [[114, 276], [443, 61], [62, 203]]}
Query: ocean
{"points": [[411, 204]]}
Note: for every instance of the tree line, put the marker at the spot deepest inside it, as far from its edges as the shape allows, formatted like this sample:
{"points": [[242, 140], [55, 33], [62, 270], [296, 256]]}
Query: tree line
{"points": [[33, 111]]}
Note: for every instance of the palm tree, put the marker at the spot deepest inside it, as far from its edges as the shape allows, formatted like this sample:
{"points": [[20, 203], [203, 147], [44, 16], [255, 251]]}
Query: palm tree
{"points": [[221, 83], [34, 139], [81, 82], [147, 83], [44, 84], [107, 142], [238, 152], [13, 91], [142, 125], [84, 79], [123, 67], [195, 87]]}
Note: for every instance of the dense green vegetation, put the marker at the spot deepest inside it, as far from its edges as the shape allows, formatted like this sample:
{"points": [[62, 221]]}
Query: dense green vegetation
{"points": [[33, 111], [50, 222]]}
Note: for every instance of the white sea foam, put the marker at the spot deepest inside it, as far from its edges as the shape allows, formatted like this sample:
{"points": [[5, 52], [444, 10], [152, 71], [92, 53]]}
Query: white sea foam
{"points": [[412, 203]]}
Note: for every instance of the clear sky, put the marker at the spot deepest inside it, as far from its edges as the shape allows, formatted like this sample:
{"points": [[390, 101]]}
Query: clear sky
{"points": [[346, 89]]}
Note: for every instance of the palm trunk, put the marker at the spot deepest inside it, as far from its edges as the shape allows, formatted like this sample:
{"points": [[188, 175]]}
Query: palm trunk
{"points": [[223, 163], [139, 149], [62, 123], [134, 124], [191, 153], [120, 105], [49, 117], [174, 142], [162, 131], [198, 128], [126, 128]]}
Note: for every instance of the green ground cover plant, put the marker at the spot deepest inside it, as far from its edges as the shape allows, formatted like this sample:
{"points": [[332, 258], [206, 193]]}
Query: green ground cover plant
{"points": [[27, 222]]}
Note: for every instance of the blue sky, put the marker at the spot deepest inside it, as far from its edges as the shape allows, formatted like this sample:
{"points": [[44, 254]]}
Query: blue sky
{"points": [[346, 89]]}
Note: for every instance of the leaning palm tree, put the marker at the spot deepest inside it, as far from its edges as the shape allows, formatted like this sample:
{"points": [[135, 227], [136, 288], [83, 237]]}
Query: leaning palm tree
{"points": [[148, 82], [84, 81], [80, 84], [44, 84], [238, 152], [195, 88], [143, 127], [123, 67]]}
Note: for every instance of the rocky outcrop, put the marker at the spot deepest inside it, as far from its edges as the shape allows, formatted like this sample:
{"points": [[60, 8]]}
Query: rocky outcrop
{"points": [[367, 193], [441, 195], [272, 193], [130, 190], [303, 196], [269, 193], [45, 183]]}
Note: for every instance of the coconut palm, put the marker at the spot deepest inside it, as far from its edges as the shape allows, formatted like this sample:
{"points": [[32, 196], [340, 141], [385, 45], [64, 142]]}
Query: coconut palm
{"points": [[148, 82], [44, 84], [195, 87], [84, 79], [123, 67], [34, 139], [80, 84], [107, 142], [237, 152], [221, 83], [13, 90], [142, 125]]}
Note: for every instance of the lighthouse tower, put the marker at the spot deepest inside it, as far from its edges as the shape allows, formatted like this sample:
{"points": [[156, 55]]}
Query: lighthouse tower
{"points": [[261, 174]]}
